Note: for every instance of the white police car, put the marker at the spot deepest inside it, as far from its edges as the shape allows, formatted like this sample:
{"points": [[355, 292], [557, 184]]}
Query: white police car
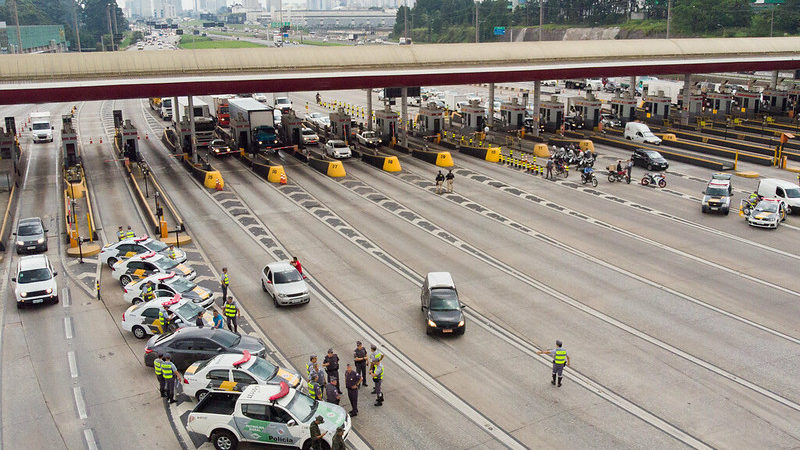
{"points": [[111, 253], [143, 319], [234, 372], [768, 213], [144, 265], [165, 285]]}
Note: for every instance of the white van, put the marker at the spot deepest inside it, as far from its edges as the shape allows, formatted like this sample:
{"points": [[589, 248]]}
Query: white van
{"points": [[784, 190], [40, 127], [640, 133], [35, 281]]}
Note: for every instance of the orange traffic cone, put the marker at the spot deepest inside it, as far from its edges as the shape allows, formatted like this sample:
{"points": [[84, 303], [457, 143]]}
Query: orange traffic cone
{"points": [[146, 137], [283, 178], [90, 139], [218, 186], [101, 139]]}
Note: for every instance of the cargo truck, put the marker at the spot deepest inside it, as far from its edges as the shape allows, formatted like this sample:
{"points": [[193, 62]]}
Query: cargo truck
{"points": [[41, 128], [162, 106], [252, 124], [204, 123], [221, 110]]}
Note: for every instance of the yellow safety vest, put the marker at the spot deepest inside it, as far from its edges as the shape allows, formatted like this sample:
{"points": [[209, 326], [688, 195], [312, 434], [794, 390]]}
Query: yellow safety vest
{"points": [[230, 309], [148, 293], [157, 366], [312, 389], [166, 370], [129, 234], [377, 374], [560, 356], [120, 235], [225, 280], [172, 254]]}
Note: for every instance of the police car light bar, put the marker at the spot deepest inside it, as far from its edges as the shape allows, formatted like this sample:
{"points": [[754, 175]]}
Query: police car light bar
{"points": [[245, 358], [148, 255], [140, 239], [172, 301], [282, 393], [167, 276]]}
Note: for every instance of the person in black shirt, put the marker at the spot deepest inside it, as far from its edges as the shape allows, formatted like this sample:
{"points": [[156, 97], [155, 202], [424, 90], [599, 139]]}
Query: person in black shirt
{"points": [[331, 365]]}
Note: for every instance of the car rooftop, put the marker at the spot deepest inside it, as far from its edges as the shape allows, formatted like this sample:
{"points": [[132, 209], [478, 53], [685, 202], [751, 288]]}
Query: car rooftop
{"points": [[280, 266], [440, 280], [32, 262]]}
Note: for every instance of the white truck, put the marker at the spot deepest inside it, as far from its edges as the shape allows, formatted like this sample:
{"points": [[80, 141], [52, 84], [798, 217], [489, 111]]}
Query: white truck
{"points": [[452, 100], [270, 414], [204, 122], [252, 124], [41, 128]]}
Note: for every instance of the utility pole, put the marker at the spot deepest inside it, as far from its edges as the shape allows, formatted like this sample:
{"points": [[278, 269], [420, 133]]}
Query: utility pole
{"points": [[477, 39], [110, 31], [541, 18], [77, 29], [114, 20], [669, 15], [771, 20], [16, 22], [405, 20]]}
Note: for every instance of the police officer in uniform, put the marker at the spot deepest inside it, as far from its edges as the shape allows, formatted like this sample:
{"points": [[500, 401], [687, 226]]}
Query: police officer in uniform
{"points": [[129, 234], [316, 436], [310, 366], [157, 365], [360, 360], [314, 389], [148, 292], [338, 439], [172, 254], [120, 234], [231, 314], [439, 181], [170, 374], [352, 381], [377, 378], [224, 282], [449, 180], [560, 358]]}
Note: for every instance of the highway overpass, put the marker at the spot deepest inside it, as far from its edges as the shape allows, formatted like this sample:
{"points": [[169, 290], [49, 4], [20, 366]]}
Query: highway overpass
{"points": [[41, 78]]}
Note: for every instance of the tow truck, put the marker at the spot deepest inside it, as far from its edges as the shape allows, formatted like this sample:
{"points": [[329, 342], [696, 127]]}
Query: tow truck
{"points": [[270, 414]]}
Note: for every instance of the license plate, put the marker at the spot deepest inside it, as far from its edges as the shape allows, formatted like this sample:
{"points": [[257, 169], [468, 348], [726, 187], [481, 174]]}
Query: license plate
{"points": [[31, 247], [38, 300], [447, 331]]}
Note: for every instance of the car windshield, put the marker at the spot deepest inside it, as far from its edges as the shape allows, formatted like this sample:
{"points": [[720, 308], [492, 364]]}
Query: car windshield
{"points": [[282, 101], [308, 132], [302, 406], [181, 284], [287, 276], [165, 263], [41, 126], [226, 339], [155, 246], [654, 155], [770, 207], [29, 230], [33, 275], [369, 134], [444, 300], [717, 191], [793, 192], [218, 143], [339, 145], [189, 310], [263, 369]]}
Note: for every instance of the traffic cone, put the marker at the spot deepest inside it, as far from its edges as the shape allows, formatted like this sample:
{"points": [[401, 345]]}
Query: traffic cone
{"points": [[90, 139], [283, 178], [101, 139], [218, 185], [146, 137]]}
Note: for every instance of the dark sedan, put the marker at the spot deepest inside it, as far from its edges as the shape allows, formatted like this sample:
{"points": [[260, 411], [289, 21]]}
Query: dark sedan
{"points": [[649, 159], [190, 344], [31, 236]]}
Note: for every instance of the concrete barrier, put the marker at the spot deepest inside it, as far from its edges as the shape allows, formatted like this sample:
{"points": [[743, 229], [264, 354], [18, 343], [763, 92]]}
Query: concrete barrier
{"points": [[385, 163], [491, 154], [669, 154], [541, 151], [334, 169], [271, 173], [441, 159], [582, 143], [725, 153], [5, 227]]}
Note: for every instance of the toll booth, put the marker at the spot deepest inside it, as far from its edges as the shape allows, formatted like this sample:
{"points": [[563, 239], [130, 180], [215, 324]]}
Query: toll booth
{"points": [[794, 94], [473, 115], [656, 106], [291, 128], [512, 113], [69, 142], [588, 108], [551, 114], [340, 124], [9, 146], [775, 101], [718, 104], [431, 119], [624, 107], [386, 123], [130, 142], [695, 106], [746, 103]]}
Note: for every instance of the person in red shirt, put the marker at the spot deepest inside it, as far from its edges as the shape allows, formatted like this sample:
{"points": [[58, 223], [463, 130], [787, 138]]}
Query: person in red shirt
{"points": [[296, 265]]}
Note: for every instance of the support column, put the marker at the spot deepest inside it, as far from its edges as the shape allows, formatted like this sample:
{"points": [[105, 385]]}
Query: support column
{"points": [[774, 82], [537, 94], [404, 118], [687, 86], [632, 87], [176, 116], [369, 109], [192, 130], [490, 123]]}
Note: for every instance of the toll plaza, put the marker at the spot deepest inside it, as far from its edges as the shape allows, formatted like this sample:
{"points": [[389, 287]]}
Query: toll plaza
{"points": [[473, 115], [431, 119], [386, 123], [290, 129], [656, 106], [746, 103], [512, 113], [551, 114], [69, 142], [695, 104], [588, 108], [775, 100], [340, 124], [719, 103]]}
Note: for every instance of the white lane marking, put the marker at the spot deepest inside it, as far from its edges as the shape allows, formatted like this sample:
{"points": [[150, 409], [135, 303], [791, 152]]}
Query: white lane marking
{"points": [[91, 443], [77, 392], [68, 327], [65, 300], [73, 365]]}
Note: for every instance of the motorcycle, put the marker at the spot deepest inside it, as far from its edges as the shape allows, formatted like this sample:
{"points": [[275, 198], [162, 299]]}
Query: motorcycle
{"points": [[747, 205], [588, 177], [618, 175], [562, 169], [656, 179]]}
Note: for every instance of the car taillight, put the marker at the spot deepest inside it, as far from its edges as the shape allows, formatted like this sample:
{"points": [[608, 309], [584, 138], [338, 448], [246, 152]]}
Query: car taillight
{"points": [[123, 317], [125, 290], [148, 350], [185, 381]]}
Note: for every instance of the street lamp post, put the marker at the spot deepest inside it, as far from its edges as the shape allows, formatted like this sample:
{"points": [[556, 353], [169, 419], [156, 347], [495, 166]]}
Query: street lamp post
{"points": [[145, 173]]}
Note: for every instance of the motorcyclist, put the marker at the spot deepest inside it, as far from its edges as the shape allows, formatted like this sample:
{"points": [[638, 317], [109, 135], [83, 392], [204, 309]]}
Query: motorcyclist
{"points": [[619, 166], [587, 173], [319, 98]]}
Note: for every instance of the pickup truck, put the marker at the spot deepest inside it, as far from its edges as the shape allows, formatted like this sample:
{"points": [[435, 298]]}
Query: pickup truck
{"points": [[277, 415], [368, 139]]}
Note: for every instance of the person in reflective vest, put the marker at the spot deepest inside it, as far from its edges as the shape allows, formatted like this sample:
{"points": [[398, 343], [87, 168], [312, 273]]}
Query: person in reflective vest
{"points": [[170, 374], [172, 254], [377, 378], [129, 234], [314, 389], [157, 365], [120, 233], [231, 314], [224, 282], [560, 359], [163, 319], [312, 361], [149, 292]]}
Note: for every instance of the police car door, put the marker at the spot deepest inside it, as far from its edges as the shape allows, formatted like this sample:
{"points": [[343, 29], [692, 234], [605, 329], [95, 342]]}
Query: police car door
{"points": [[150, 318], [242, 380], [256, 424], [220, 379], [285, 425]]}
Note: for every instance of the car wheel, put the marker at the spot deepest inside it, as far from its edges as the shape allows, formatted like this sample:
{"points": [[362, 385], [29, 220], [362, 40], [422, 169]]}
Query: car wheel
{"points": [[225, 440], [704, 209], [139, 332], [650, 167], [111, 262], [788, 210], [201, 394], [463, 330], [125, 279], [55, 300], [726, 211], [275, 300], [428, 330], [136, 301], [263, 286]]}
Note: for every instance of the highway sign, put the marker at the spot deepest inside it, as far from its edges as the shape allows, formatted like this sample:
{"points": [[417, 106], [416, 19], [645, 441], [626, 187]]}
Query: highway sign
{"points": [[499, 31]]}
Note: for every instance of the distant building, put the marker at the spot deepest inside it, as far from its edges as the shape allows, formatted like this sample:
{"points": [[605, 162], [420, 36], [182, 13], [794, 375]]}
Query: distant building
{"points": [[335, 19], [35, 39]]}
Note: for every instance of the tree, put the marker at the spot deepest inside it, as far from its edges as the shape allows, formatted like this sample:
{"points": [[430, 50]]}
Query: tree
{"points": [[94, 20]]}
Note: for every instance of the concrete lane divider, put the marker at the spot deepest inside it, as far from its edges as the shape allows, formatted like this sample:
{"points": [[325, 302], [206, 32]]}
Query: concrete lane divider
{"points": [[583, 144], [333, 169], [441, 159], [491, 154], [383, 162], [5, 227], [667, 153], [273, 173]]}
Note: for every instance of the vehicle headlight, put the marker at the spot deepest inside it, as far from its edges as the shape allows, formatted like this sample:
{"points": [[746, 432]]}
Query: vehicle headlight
{"points": [[705, 200], [461, 323], [281, 294], [20, 243], [48, 291], [259, 142], [23, 294], [431, 323], [40, 241]]}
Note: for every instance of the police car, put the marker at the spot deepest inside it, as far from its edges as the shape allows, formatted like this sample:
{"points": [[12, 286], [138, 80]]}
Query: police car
{"points": [[768, 213], [111, 253], [146, 264], [234, 372], [143, 319], [167, 285]]}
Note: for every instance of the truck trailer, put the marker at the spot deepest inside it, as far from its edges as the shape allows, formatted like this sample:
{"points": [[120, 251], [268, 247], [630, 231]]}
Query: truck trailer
{"points": [[252, 124], [204, 123]]}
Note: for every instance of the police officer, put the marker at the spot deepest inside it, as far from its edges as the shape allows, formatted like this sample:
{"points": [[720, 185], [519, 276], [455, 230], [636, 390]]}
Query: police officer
{"points": [[449, 177], [560, 358], [373, 355], [360, 360], [331, 365], [439, 181], [157, 366], [129, 234], [224, 282], [377, 378], [314, 389], [316, 436], [170, 374], [120, 233], [352, 380], [148, 293], [332, 394], [338, 439], [550, 165], [310, 366], [231, 314], [163, 318], [172, 254]]}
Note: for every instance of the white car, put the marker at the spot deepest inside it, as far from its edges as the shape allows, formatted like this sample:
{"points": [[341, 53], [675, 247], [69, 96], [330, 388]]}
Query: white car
{"points": [[234, 372], [35, 281], [312, 117], [337, 149], [309, 136], [368, 138], [283, 103], [144, 265], [261, 97], [284, 284], [768, 213], [143, 319], [168, 285], [111, 253], [323, 121]]}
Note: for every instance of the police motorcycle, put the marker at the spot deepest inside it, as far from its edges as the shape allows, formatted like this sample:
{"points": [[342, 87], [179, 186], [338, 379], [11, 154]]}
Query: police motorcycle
{"points": [[655, 179], [587, 176], [748, 204]]}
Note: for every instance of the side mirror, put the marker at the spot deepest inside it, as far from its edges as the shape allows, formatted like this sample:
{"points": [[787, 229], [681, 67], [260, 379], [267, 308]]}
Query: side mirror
{"points": [[291, 423], [269, 282], [463, 305], [30, 129], [219, 349], [14, 280], [52, 128], [304, 277], [45, 230], [55, 273], [14, 233]]}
